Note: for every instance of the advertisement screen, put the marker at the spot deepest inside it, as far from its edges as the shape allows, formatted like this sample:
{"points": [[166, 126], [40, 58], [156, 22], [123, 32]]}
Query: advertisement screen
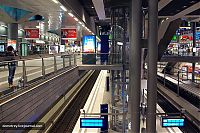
{"points": [[32, 33], [2, 48], [89, 44], [68, 33], [12, 43], [53, 49]]}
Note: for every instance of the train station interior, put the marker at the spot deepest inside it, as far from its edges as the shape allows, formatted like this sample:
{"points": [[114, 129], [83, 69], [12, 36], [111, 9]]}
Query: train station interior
{"points": [[99, 66]]}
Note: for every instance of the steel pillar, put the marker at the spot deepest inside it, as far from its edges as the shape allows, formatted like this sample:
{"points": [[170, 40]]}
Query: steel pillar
{"points": [[13, 32], [135, 64], [152, 66], [194, 45]]}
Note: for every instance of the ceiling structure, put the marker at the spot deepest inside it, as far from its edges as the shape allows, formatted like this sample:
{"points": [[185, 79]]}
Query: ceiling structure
{"points": [[55, 16], [166, 8]]}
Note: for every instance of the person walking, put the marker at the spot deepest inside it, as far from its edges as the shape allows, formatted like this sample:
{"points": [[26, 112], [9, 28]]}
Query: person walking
{"points": [[10, 55]]}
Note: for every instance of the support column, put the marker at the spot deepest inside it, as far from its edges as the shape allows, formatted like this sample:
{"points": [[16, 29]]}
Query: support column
{"points": [[193, 46], [13, 32], [135, 64], [152, 66]]}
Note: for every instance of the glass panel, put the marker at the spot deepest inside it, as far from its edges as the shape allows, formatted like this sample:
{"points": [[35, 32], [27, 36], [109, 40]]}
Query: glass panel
{"points": [[49, 65], [33, 69], [59, 62]]}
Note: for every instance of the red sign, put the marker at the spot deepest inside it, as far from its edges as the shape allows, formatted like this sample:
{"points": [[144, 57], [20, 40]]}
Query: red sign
{"points": [[68, 33], [32, 33]]}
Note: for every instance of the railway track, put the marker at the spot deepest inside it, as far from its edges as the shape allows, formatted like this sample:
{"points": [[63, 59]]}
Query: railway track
{"points": [[68, 119]]}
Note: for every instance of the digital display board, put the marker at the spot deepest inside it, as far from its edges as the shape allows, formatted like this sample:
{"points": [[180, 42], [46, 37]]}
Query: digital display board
{"points": [[172, 122], [89, 44], [91, 122]]}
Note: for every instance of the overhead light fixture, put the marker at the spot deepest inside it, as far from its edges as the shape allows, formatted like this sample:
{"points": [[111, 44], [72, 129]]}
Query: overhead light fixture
{"points": [[119, 43], [70, 14], [92, 7], [64, 9], [37, 26], [185, 27], [75, 19], [4, 26], [55, 1]]}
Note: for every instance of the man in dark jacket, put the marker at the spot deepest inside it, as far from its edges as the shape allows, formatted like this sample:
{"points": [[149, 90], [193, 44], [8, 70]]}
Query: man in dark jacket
{"points": [[10, 56]]}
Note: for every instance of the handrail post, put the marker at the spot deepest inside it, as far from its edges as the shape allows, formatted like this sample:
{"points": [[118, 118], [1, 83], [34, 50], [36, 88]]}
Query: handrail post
{"points": [[63, 61], [55, 66], [43, 67], [75, 63], [24, 77]]}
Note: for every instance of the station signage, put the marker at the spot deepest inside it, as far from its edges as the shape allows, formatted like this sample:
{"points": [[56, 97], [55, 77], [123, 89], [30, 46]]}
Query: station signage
{"points": [[91, 122], [32, 33], [68, 33], [172, 121]]}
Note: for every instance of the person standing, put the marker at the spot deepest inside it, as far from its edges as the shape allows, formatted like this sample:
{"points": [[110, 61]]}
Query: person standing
{"points": [[10, 55]]}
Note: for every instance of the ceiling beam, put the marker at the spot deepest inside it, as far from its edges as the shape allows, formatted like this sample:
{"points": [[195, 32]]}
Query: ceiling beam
{"points": [[186, 11], [99, 7], [163, 3]]}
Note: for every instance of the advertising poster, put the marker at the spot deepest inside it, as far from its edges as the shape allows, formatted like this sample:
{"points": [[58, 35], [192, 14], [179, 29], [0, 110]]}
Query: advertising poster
{"points": [[32, 33], [62, 48], [12, 43], [89, 44], [68, 34], [53, 49], [2, 48]]}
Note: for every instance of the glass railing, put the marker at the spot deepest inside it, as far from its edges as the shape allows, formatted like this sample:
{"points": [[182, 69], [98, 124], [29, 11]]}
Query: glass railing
{"points": [[29, 69], [181, 52], [98, 59]]}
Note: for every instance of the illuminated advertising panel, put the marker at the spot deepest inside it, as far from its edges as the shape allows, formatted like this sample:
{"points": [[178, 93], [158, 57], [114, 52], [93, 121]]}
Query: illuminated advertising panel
{"points": [[68, 34], [89, 44], [32, 33], [12, 43], [53, 49]]}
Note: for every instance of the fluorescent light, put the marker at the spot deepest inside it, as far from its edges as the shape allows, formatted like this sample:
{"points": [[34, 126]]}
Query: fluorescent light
{"points": [[185, 27], [64, 9], [37, 26], [119, 43], [75, 19], [70, 14], [92, 7], [4, 26], [55, 1]]}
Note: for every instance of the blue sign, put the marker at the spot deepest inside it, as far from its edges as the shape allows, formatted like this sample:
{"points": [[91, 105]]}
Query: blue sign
{"points": [[172, 122], [91, 122]]}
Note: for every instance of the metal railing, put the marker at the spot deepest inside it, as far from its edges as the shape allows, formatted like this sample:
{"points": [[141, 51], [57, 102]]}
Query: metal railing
{"points": [[29, 69]]}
